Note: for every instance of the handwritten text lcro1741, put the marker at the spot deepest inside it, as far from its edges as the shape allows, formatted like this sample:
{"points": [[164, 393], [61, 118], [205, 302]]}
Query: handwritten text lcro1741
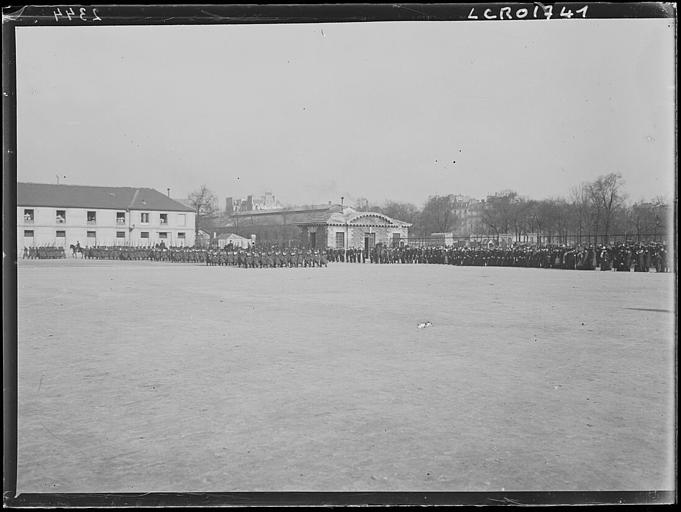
{"points": [[523, 13]]}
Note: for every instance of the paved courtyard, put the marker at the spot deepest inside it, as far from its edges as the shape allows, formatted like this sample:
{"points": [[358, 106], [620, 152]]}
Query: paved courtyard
{"points": [[141, 377]]}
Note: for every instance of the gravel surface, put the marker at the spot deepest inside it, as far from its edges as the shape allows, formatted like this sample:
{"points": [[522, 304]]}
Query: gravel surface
{"points": [[152, 377]]}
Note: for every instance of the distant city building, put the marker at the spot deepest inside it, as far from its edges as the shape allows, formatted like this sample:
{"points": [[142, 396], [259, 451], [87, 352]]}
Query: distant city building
{"points": [[468, 212], [500, 194], [64, 215], [362, 204], [250, 204]]}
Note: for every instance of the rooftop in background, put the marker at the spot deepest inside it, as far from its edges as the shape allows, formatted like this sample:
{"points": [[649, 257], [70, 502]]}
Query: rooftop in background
{"points": [[327, 214], [230, 236], [251, 203], [340, 216], [106, 198], [293, 209]]}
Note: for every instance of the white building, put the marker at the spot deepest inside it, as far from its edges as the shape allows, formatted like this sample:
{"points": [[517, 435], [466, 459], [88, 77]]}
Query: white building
{"points": [[64, 215], [230, 238], [344, 228]]}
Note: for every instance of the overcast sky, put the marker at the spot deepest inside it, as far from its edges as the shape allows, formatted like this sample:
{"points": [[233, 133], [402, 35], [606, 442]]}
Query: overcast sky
{"points": [[312, 112]]}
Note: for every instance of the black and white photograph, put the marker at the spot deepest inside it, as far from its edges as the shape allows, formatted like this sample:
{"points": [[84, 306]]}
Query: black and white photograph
{"points": [[429, 250]]}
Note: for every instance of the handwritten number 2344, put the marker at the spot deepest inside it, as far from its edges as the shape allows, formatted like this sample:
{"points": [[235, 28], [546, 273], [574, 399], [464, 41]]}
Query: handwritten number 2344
{"points": [[82, 14]]}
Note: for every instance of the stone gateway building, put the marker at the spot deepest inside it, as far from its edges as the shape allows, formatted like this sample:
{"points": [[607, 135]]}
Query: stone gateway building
{"points": [[319, 227], [64, 215], [346, 228]]}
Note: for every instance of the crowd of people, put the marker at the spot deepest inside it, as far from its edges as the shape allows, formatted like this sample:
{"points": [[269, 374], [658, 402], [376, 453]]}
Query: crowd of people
{"points": [[640, 257], [637, 256]]}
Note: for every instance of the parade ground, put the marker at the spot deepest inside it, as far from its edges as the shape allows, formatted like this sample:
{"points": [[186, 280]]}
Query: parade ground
{"points": [[151, 377]]}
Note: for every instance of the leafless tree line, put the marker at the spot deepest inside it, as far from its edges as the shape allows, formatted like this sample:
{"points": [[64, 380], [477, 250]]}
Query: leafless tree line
{"points": [[592, 212]]}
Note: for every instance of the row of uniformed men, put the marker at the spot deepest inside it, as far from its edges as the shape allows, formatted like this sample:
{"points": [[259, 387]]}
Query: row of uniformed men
{"points": [[170, 254], [173, 254], [44, 253], [267, 258]]}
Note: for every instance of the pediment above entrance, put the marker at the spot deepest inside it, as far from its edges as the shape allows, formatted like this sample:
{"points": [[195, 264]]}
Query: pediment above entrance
{"points": [[370, 219]]}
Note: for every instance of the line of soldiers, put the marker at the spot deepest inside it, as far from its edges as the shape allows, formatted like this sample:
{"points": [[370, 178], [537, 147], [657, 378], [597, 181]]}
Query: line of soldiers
{"points": [[252, 257], [158, 253], [267, 258], [351, 255], [640, 257], [44, 253], [170, 254]]}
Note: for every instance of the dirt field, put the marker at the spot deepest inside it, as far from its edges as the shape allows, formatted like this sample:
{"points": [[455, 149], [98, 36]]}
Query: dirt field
{"points": [[137, 376]]}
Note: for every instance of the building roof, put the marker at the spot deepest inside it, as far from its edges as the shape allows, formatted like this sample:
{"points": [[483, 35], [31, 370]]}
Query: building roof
{"points": [[294, 210], [350, 216], [278, 217], [329, 215], [104, 198], [231, 236], [184, 201]]}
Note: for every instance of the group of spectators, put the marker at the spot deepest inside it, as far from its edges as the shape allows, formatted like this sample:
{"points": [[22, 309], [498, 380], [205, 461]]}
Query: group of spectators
{"points": [[640, 257]]}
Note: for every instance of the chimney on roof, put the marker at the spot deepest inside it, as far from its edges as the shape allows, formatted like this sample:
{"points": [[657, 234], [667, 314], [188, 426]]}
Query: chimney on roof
{"points": [[168, 192]]}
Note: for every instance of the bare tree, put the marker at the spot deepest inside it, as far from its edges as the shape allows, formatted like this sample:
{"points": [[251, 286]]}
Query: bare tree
{"points": [[438, 214], [548, 218], [663, 217], [542, 218], [580, 202], [648, 218], [406, 212], [205, 204], [561, 211], [606, 198], [521, 216], [500, 212]]}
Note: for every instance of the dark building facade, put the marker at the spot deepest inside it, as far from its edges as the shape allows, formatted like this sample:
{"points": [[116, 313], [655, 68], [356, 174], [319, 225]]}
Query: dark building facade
{"points": [[319, 227], [279, 226]]}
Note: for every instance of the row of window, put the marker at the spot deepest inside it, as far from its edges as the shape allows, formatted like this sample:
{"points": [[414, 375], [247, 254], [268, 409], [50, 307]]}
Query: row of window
{"points": [[340, 239], [29, 216], [29, 233]]}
